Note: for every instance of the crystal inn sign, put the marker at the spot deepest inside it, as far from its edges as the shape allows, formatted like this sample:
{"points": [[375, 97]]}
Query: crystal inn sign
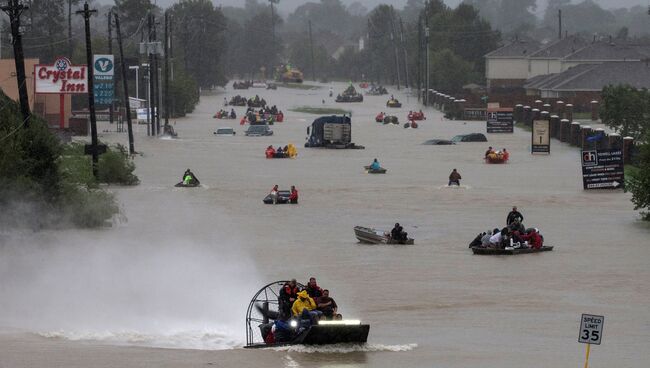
{"points": [[61, 78]]}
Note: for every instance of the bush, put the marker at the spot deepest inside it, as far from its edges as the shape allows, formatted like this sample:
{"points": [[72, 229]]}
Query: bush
{"points": [[638, 181], [115, 167], [46, 184]]}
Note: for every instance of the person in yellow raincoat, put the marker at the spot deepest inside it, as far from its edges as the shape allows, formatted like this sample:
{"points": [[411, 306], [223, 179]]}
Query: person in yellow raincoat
{"points": [[304, 301], [292, 152]]}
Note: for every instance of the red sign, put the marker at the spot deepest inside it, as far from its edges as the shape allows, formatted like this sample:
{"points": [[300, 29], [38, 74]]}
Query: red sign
{"points": [[61, 78]]}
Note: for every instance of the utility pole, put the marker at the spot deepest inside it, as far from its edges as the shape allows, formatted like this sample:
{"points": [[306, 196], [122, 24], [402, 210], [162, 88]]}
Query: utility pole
{"points": [[393, 39], [91, 86], [559, 18], [426, 53], [127, 103], [14, 10], [156, 80], [311, 46], [110, 52], [152, 93], [406, 64], [70, 49], [419, 63], [166, 71]]}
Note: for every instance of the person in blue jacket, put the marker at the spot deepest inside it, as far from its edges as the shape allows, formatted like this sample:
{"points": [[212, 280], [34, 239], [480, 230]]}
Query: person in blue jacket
{"points": [[375, 165]]}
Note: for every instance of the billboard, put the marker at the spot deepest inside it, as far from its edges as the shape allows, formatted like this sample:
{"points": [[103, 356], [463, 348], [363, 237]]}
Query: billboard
{"points": [[602, 169], [499, 120], [61, 77], [541, 137]]}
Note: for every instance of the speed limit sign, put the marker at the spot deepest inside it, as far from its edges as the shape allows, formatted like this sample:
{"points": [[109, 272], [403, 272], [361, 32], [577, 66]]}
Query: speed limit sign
{"points": [[591, 329]]}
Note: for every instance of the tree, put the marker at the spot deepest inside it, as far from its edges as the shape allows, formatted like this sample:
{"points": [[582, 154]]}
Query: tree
{"points": [[200, 40], [626, 110], [261, 51], [46, 37], [587, 17], [380, 44], [300, 56], [449, 72], [133, 15], [638, 180]]}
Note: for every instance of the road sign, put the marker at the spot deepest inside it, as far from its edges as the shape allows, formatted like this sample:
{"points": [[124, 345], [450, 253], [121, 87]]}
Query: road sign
{"points": [[603, 169], [499, 120], [591, 329], [541, 138]]}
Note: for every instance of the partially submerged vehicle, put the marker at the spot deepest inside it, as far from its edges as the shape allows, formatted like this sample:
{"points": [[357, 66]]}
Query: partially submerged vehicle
{"points": [[370, 170], [225, 131], [373, 236], [439, 142], [241, 85], [331, 132], [283, 198], [259, 84], [258, 131], [393, 103], [377, 91], [391, 119], [509, 251], [472, 137]]}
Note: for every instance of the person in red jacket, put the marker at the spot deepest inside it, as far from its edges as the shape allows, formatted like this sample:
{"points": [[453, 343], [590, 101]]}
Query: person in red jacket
{"points": [[380, 117], [534, 239], [293, 196], [270, 152]]}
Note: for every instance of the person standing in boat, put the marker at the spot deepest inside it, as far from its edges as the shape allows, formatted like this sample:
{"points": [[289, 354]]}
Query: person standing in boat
{"points": [[454, 178], [274, 194], [514, 214]]}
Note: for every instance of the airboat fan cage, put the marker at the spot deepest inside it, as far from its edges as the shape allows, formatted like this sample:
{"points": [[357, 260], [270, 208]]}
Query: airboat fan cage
{"points": [[268, 300]]}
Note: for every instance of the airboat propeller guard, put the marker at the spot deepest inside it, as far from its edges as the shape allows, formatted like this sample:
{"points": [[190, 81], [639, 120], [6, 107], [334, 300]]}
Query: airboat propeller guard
{"points": [[268, 297]]}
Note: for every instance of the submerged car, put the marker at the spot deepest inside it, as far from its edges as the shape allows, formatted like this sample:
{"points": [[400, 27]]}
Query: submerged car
{"points": [[258, 131], [225, 131], [472, 137], [438, 142]]}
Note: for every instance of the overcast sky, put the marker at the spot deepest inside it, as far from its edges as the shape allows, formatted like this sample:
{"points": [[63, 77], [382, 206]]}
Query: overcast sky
{"points": [[287, 6]]}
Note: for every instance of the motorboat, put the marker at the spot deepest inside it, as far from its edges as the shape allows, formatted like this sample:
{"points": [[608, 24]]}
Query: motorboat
{"points": [[373, 236], [509, 251], [369, 170]]}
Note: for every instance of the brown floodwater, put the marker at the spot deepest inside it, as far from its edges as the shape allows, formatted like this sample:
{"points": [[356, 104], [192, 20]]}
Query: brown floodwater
{"points": [[180, 265]]}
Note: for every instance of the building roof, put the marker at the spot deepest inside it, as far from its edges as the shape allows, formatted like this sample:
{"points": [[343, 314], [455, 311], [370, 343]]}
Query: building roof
{"points": [[561, 48], [599, 51], [593, 77], [515, 49]]}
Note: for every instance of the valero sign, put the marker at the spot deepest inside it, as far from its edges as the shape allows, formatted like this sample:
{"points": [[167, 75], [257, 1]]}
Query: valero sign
{"points": [[61, 77]]}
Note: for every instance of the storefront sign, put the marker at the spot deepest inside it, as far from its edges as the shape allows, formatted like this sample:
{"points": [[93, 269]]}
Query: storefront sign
{"points": [[61, 78], [603, 169], [499, 120], [541, 137]]}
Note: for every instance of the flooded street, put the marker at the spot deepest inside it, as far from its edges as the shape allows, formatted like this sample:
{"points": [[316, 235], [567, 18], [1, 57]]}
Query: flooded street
{"points": [[181, 267]]}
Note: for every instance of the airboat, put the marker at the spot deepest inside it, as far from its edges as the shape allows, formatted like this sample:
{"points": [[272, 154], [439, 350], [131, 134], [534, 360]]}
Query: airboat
{"points": [[264, 308]]}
